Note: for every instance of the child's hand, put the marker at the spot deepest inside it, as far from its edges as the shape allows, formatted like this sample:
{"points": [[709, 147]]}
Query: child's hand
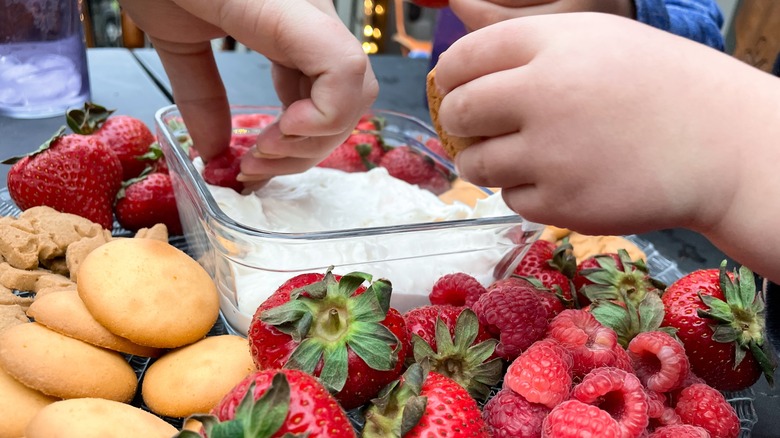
{"points": [[607, 126]]}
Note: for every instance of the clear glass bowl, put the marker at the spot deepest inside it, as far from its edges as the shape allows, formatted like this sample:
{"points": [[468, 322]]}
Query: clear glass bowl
{"points": [[249, 263]]}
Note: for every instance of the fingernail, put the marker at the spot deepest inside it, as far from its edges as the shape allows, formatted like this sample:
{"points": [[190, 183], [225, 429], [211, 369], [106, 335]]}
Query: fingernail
{"points": [[257, 153], [292, 138], [250, 178]]}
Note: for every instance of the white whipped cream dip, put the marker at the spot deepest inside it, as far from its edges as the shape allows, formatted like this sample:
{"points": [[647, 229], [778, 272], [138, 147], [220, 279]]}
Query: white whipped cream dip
{"points": [[323, 199]]}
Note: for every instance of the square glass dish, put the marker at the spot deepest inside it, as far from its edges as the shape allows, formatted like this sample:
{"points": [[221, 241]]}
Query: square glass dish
{"points": [[249, 262]]}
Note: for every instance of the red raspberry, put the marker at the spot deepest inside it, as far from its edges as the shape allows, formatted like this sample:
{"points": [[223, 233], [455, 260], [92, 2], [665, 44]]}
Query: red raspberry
{"points": [[509, 415], [576, 419], [618, 393], [704, 406], [514, 315], [542, 374], [622, 360], [659, 360], [551, 302], [591, 344], [421, 321], [680, 431], [457, 289]]}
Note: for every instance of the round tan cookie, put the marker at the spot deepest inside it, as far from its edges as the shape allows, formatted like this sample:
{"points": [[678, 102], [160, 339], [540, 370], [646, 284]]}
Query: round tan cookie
{"points": [[452, 144], [64, 367], [96, 418], [149, 292], [65, 313], [194, 378], [19, 405]]}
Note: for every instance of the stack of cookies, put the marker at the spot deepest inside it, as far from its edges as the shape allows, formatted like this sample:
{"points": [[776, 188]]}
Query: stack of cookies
{"points": [[107, 299]]}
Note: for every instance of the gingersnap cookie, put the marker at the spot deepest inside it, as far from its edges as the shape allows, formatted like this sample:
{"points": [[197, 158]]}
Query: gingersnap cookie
{"points": [[65, 313], [194, 378], [96, 418], [452, 144], [20, 404], [64, 367], [148, 292]]}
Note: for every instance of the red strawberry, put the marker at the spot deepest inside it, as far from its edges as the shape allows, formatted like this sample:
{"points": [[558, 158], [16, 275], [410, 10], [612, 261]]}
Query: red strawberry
{"points": [[426, 405], [415, 168], [576, 419], [70, 173], [542, 374], [618, 393], [335, 329], [252, 121], [553, 266], [680, 431], [359, 152], [591, 344], [453, 343], [148, 200], [276, 403], [128, 136], [155, 159], [509, 415], [434, 145], [703, 406], [659, 361], [457, 289], [719, 319], [223, 169], [613, 277], [514, 314]]}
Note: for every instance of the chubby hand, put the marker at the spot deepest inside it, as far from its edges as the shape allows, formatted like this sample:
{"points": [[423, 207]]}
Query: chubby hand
{"points": [[317, 63], [604, 125], [477, 14]]}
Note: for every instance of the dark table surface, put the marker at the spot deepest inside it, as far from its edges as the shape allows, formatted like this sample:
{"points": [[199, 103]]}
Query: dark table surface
{"points": [[135, 83]]}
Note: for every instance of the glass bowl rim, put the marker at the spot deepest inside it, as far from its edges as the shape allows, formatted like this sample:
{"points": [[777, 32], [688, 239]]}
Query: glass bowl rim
{"points": [[213, 210]]}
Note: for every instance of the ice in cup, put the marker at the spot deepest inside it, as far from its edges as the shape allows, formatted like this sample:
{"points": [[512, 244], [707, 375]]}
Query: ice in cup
{"points": [[43, 61]]}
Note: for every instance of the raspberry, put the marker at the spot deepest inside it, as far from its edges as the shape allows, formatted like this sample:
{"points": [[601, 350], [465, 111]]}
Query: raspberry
{"points": [[514, 315], [680, 431], [574, 418], [551, 302], [457, 289], [618, 393], [542, 374], [622, 360], [591, 344], [509, 415], [659, 360], [704, 406]]}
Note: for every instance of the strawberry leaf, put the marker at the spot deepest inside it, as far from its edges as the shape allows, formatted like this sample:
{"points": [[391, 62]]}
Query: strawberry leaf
{"points": [[334, 369], [46, 145], [371, 342], [88, 120], [306, 356]]}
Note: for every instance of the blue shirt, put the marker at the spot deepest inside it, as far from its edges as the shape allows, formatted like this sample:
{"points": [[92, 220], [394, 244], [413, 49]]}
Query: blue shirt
{"points": [[698, 20]]}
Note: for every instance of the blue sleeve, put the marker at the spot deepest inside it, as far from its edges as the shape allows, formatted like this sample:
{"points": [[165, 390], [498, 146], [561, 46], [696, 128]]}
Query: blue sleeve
{"points": [[699, 20]]}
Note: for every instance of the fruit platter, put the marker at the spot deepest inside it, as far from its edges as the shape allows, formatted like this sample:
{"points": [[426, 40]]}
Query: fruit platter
{"points": [[564, 334]]}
